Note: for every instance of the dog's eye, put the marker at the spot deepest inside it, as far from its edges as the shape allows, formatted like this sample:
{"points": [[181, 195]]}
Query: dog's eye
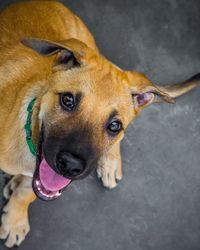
{"points": [[114, 127], [67, 101]]}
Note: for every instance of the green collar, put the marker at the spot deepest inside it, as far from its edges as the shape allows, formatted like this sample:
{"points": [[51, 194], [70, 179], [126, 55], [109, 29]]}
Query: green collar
{"points": [[28, 129]]}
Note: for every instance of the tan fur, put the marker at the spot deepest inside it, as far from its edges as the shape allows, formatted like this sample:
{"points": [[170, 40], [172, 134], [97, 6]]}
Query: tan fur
{"points": [[25, 74]]}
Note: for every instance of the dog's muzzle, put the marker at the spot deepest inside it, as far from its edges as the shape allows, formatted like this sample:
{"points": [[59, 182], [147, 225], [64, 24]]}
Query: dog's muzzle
{"points": [[56, 170], [47, 183]]}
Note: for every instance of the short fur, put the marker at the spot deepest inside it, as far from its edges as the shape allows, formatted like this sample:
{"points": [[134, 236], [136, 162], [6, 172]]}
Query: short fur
{"points": [[26, 71]]}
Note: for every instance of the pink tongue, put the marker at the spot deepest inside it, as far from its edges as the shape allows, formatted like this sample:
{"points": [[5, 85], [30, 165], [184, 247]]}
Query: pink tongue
{"points": [[50, 179]]}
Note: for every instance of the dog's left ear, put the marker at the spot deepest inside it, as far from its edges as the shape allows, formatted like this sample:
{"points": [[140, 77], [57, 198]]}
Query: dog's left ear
{"points": [[144, 92], [69, 53], [150, 95]]}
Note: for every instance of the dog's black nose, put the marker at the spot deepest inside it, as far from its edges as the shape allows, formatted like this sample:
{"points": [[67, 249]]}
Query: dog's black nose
{"points": [[69, 165]]}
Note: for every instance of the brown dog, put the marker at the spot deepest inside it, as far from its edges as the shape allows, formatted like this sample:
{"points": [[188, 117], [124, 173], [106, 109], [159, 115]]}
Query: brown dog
{"points": [[79, 105]]}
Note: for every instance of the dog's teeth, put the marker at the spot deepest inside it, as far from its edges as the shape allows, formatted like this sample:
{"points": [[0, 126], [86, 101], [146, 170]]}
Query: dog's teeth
{"points": [[40, 189], [42, 193], [58, 194]]}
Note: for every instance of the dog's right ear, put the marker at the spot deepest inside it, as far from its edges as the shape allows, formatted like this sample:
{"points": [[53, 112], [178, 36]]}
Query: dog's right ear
{"points": [[69, 53]]}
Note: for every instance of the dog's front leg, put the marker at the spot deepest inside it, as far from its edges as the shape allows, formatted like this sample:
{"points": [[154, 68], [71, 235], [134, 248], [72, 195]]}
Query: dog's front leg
{"points": [[14, 221], [110, 167]]}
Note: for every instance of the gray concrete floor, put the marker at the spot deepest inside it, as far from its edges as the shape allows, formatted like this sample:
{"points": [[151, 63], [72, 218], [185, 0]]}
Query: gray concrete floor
{"points": [[157, 204]]}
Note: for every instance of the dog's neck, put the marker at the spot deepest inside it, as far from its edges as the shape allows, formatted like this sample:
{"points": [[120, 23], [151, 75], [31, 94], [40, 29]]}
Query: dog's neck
{"points": [[32, 117], [36, 122], [28, 127]]}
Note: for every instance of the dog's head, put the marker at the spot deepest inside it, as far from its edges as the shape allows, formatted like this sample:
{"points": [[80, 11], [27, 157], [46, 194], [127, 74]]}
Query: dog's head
{"points": [[85, 111]]}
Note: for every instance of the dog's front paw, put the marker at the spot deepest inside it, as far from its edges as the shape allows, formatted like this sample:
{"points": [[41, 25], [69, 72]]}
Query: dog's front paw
{"points": [[11, 186], [110, 173], [14, 226]]}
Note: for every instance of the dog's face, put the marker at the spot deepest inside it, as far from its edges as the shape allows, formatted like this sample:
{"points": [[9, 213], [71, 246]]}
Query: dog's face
{"points": [[87, 108]]}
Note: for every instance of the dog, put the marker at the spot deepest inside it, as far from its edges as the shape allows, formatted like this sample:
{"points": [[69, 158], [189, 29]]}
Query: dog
{"points": [[64, 108]]}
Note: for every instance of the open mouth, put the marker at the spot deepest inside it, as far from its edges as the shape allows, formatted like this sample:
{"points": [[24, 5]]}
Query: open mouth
{"points": [[47, 184]]}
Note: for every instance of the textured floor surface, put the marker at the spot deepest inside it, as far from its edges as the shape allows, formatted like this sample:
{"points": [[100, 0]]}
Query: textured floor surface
{"points": [[157, 204]]}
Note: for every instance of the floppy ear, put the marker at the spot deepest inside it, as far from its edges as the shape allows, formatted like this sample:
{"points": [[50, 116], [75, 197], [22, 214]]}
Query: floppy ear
{"points": [[150, 95], [144, 92], [69, 53]]}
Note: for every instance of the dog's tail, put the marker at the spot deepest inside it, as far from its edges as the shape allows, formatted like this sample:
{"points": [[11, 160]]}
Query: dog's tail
{"points": [[181, 88]]}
